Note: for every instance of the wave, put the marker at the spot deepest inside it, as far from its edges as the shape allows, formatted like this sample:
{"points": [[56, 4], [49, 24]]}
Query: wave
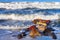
{"points": [[29, 11], [14, 21], [25, 20], [28, 17]]}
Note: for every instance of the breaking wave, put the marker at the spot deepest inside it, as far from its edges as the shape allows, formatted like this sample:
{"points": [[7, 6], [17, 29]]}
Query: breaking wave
{"points": [[24, 17], [28, 17]]}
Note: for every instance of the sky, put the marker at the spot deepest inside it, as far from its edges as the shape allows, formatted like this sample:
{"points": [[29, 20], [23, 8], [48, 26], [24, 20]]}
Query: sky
{"points": [[29, 0]]}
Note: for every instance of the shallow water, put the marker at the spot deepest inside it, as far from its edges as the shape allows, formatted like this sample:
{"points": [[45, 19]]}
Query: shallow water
{"points": [[12, 35]]}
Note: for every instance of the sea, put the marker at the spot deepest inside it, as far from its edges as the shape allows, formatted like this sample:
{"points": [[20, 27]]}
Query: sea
{"points": [[23, 18]]}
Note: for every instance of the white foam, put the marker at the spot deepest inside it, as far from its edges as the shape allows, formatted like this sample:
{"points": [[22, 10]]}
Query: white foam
{"points": [[19, 5], [28, 17]]}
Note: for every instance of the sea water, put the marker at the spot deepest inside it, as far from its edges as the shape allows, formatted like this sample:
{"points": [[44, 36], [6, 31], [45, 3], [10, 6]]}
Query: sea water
{"points": [[23, 18]]}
